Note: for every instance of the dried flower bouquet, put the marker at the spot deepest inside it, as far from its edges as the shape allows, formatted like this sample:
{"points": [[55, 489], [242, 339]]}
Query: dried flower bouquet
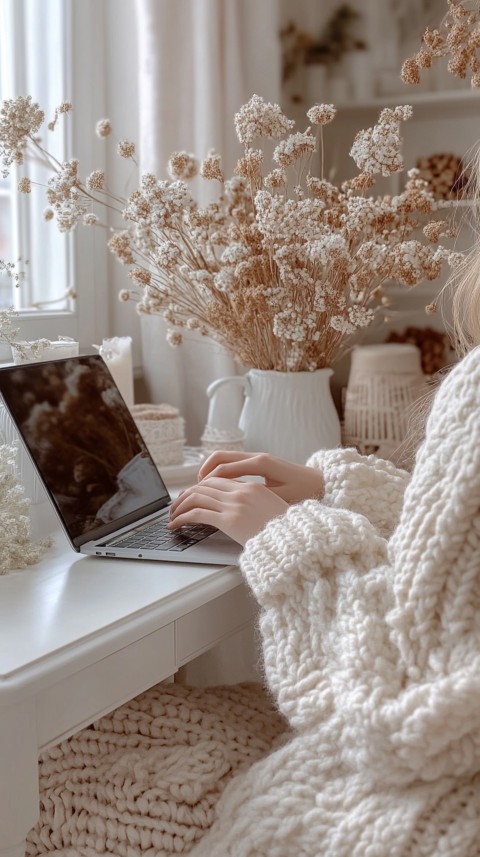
{"points": [[284, 268]]}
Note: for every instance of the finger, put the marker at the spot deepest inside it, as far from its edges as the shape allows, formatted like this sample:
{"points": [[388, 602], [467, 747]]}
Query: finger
{"points": [[200, 500], [222, 457], [257, 464], [208, 484], [197, 516], [181, 497], [235, 470]]}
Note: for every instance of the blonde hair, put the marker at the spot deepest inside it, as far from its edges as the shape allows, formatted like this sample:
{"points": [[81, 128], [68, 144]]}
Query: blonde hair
{"points": [[462, 295], [463, 287]]}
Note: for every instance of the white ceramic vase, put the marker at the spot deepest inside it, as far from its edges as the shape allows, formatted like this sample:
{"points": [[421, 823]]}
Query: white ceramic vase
{"points": [[289, 414]]}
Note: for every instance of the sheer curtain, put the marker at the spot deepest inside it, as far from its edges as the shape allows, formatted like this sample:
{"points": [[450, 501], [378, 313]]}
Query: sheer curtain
{"points": [[199, 61]]}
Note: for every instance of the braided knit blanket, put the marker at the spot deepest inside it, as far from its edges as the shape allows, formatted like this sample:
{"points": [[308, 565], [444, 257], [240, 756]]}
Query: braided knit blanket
{"points": [[145, 779]]}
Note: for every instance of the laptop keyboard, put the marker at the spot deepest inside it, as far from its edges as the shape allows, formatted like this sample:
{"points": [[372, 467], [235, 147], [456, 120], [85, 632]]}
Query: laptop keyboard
{"points": [[156, 536]]}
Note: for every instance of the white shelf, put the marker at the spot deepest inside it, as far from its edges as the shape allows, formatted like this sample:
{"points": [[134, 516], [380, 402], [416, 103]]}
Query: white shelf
{"points": [[451, 98]]}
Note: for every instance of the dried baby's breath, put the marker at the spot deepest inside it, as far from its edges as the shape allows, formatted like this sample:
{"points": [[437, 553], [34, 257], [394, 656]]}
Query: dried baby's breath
{"points": [[457, 40], [322, 114], [126, 149], [182, 165], [211, 167], [260, 119], [284, 268], [104, 127], [378, 149], [20, 120], [277, 178], [96, 180], [25, 185], [296, 146], [90, 219], [120, 245]]}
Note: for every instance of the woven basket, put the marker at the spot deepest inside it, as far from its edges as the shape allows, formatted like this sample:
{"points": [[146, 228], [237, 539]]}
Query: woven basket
{"points": [[214, 439], [384, 382], [162, 429]]}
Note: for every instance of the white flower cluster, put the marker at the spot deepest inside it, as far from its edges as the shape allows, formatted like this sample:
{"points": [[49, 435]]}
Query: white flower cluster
{"points": [[379, 149], [16, 547], [260, 119], [20, 121], [8, 332]]}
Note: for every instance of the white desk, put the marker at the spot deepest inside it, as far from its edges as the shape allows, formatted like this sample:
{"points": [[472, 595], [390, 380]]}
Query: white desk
{"points": [[80, 636]]}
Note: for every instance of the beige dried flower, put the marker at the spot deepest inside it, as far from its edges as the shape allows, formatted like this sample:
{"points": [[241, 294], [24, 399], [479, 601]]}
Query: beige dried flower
{"points": [[211, 167], [103, 127], [359, 183], [295, 146], [424, 57], [126, 149], [457, 39], [250, 166], [474, 38], [90, 219], [182, 165], [120, 245], [96, 180], [258, 118], [124, 295], [379, 149], [64, 107], [435, 229], [277, 178], [174, 338], [410, 72], [20, 120], [433, 39], [140, 276], [322, 189], [25, 185], [322, 114], [48, 214]]}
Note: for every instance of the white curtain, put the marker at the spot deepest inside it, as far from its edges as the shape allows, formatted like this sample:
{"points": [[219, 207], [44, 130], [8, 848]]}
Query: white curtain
{"points": [[199, 61]]}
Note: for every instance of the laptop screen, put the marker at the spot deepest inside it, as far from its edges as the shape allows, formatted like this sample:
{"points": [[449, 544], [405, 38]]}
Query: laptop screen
{"points": [[83, 440]]}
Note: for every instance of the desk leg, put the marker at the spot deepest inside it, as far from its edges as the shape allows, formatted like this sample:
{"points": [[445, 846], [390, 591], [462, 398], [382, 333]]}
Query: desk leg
{"points": [[19, 797]]}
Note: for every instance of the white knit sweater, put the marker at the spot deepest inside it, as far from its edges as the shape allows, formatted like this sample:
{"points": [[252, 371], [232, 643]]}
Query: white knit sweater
{"points": [[372, 649]]}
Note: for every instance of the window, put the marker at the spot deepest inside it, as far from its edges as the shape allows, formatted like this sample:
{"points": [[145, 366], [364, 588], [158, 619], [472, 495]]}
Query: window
{"points": [[49, 50]]}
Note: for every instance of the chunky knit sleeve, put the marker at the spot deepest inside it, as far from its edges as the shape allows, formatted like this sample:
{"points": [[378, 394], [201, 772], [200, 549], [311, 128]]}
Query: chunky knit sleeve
{"points": [[301, 569], [363, 483], [377, 643]]}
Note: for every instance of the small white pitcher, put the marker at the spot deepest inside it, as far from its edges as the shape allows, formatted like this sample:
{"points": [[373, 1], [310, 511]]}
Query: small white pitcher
{"points": [[289, 414]]}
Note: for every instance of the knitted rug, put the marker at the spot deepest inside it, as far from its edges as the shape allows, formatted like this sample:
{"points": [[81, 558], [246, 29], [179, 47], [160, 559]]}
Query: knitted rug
{"points": [[145, 779]]}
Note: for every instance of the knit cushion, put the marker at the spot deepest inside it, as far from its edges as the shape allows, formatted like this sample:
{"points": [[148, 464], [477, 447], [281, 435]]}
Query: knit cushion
{"points": [[148, 775]]}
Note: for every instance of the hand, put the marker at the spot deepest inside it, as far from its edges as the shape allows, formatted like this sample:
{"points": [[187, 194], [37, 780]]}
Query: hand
{"points": [[239, 509], [291, 482]]}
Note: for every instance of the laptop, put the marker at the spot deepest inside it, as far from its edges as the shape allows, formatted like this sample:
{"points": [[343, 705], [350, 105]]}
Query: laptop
{"points": [[103, 483]]}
